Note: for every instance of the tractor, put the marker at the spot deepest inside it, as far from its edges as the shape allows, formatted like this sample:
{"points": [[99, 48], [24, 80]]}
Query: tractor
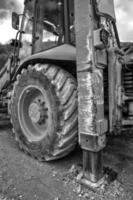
{"points": [[67, 81]]}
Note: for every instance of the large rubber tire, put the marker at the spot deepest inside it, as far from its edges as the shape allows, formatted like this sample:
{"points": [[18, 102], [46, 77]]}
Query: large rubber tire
{"points": [[56, 135]]}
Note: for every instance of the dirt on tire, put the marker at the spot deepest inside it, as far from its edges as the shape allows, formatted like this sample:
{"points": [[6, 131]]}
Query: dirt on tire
{"points": [[49, 85]]}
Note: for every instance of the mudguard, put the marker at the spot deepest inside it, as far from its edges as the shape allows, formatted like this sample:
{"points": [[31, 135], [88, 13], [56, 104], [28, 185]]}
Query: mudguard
{"points": [[63, 53]]}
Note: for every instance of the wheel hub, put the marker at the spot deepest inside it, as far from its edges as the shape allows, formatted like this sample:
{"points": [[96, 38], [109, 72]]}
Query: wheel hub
{"points": [[34, 112], [38, 112]]}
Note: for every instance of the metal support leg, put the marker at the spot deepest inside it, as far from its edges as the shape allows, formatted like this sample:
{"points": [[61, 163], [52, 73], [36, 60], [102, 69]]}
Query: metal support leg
{"points": [[91, 121], [92, 175], [92, 165], [92, 127]]}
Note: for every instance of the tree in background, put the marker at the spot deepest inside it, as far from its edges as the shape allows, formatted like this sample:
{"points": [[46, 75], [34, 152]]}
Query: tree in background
{"points": [[5, 51]]}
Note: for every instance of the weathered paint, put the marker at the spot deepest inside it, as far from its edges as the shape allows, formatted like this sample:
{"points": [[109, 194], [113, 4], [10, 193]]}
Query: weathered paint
{"points": [[90, 87], [90, 77], [92, 125], [115, 91]]}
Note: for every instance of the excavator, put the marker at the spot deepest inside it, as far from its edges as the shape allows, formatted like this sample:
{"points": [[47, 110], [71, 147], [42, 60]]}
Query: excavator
{"points": [[67, 81]]}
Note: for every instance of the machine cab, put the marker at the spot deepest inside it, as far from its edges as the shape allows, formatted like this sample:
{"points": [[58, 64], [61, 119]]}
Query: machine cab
{"points": [[46, 24]]}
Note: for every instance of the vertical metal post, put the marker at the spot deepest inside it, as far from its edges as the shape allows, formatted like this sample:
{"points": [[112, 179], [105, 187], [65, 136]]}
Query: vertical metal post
{"points": [[92, 164], [92, 125], [115, 91]]}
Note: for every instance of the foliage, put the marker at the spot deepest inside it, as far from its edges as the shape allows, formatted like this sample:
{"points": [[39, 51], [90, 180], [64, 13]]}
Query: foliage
{"points": [[5, 51]]}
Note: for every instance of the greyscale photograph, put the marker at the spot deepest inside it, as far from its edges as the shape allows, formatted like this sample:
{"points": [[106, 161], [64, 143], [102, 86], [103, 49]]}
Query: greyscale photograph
{"points": [[66, 100]]}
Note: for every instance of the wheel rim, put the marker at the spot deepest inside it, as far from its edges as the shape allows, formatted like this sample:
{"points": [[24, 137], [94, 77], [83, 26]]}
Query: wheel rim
{"points": [[34, 113]]}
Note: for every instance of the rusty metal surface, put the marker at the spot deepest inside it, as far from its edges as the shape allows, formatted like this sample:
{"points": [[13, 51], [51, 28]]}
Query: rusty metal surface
{"points": [[86, 106], [115, 92], [84, 35], [91, 112], [90, 87], [90, 78]]}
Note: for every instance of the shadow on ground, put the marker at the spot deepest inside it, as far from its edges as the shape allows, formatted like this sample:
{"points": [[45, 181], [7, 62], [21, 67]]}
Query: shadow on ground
{"points": [[22, 177]]}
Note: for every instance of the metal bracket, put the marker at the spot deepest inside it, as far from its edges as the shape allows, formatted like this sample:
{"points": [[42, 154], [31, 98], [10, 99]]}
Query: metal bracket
{"points": [[94, 142]]}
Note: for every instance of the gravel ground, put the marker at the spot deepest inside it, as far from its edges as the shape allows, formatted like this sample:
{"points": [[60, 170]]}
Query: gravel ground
{"points": [[24, 178]]}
